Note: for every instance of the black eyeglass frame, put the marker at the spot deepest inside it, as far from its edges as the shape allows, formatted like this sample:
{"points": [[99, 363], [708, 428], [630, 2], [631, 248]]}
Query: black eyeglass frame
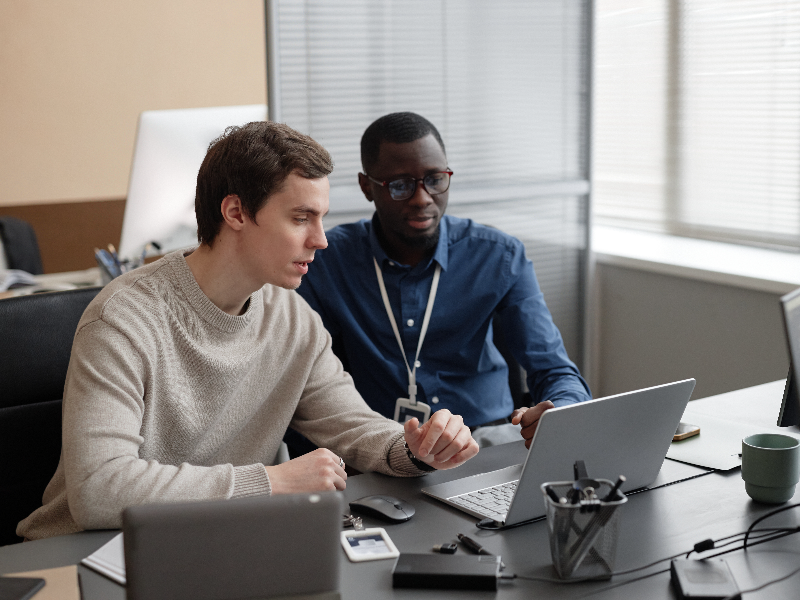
{"points": [[416, 181]]}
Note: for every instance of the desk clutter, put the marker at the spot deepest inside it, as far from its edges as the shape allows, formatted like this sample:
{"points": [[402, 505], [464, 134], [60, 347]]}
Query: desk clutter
{"points": [[749, 546], [112, 266], [582, 523]]}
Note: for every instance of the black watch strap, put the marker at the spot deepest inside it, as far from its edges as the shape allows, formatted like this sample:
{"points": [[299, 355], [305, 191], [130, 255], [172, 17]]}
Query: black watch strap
{"points": [[417, 462]]}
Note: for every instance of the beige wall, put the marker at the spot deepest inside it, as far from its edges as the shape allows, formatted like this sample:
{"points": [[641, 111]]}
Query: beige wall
{"points": [[75, 74]]}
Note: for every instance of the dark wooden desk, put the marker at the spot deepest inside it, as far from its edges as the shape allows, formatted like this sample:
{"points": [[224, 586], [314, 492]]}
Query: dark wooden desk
{"points": [[655, 524]]}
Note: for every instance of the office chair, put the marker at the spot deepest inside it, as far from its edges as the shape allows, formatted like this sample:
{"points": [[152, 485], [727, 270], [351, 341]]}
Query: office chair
{"points": [[20, 245], [517, 378], [35, 346]]}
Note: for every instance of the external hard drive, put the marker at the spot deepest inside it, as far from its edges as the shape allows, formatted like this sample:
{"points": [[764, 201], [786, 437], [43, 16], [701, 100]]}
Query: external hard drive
{"points": [[707, 579], [446, 571]]}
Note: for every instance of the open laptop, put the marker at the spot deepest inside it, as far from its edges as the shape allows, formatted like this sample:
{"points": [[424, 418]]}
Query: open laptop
{"points": [[259, 547], [627, 434]]}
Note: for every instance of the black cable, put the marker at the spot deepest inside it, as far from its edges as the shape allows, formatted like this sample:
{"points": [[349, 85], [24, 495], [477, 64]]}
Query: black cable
{"points": [[763, 585], [621, 583], [769, 514], [598, 577], [652, 564], [490, 524], [768, 539], [770, 533], [765, 535], [710, 544]]}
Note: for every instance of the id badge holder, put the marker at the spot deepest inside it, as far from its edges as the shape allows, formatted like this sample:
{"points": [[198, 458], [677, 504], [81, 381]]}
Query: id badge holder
{"points": [[404, 410]]}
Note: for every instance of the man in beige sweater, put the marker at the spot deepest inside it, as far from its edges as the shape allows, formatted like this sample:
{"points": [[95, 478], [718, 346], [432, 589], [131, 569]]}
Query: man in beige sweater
{"points": [[186, 373]]}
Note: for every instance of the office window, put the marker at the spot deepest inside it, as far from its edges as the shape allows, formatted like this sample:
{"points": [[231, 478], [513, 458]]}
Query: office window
{"points": [[697, 118], [507, 85]]}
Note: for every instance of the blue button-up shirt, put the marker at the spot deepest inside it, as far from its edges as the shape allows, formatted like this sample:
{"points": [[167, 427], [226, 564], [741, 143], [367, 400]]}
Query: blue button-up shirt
{"points": [[484, 272]]}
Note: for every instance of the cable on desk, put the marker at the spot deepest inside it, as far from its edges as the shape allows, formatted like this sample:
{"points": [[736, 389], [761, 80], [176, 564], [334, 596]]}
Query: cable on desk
{"points": [[766, 516], [621, 583], [763, 585], [762, 536], [492, 525]]}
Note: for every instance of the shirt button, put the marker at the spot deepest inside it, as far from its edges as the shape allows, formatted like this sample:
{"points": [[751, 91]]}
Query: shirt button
{"points": [[435, 400], [417, 364], [410, 322], [391, 263]]}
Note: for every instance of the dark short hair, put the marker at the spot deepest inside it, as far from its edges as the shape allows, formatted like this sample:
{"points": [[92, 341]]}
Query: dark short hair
{"points": [[397, 128], [252, 161]]}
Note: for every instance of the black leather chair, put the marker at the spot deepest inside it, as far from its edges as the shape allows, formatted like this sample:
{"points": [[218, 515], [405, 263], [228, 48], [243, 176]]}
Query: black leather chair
{"points": [[20, 245], [36, 335], [517, 378]]}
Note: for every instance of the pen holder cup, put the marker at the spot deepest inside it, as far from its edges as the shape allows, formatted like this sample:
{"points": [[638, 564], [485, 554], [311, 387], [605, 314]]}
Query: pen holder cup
{"points": [[583, 537], [110, 269]]}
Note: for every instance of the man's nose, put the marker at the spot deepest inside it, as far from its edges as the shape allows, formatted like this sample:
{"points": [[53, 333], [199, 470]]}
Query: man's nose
{"points": [[421, 196], [318, 241]]}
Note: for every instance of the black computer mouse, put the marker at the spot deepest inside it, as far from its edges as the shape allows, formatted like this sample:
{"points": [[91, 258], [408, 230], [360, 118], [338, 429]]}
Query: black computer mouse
{"points": [[387, 508]]}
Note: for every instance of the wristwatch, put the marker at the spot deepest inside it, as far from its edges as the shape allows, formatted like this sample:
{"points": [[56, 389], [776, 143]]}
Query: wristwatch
{"points": [[417, 462]]}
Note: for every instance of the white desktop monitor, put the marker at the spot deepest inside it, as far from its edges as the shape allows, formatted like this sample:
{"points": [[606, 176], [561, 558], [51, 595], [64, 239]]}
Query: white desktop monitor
{"points": [[170, 146]]}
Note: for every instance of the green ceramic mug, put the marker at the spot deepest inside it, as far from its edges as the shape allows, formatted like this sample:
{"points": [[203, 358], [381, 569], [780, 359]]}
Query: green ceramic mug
{"points": [[770, 466]]}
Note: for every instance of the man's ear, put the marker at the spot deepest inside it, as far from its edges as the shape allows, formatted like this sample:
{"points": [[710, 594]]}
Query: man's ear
{"points": [[232, 213], [366, 188]]}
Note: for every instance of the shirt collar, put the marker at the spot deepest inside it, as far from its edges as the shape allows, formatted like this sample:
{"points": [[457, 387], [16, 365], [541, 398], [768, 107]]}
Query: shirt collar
{"points": [[440, 255]]}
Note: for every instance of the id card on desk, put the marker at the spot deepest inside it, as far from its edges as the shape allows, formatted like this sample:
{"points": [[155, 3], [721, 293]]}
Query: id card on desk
{"points": [[368, 544], [404, 411]]}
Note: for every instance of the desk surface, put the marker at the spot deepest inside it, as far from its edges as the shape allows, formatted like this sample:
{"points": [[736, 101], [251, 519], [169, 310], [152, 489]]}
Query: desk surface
{"points": [[655, 524]]}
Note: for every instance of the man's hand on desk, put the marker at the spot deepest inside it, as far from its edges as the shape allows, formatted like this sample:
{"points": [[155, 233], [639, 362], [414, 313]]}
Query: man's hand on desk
{"points": [[529, 419], [443, 442], [320, 470]]}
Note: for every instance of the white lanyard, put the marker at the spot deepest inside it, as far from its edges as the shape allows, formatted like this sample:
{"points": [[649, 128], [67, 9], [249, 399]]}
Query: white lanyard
{"points": [[412, 373]]}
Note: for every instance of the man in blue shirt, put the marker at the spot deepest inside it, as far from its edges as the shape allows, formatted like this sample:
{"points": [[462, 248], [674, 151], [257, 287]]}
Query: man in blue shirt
{"points": [[482, 272]]}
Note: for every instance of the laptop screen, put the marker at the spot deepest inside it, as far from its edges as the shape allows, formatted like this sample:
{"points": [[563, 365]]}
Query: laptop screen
{"points": [[258, 547]]}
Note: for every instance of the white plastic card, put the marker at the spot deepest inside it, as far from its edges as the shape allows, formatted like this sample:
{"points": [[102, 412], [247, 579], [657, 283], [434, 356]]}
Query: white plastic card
{"points": [[404, 411], [368, 544]]}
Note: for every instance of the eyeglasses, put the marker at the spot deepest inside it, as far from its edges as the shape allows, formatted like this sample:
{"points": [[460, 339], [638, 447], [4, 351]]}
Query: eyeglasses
{"points": [[405, 187]]}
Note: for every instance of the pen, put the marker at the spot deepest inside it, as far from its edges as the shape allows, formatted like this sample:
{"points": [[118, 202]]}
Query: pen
{"points": [[553, 496], [113, 252], [476, 547], [613, 493], [473, 545]]}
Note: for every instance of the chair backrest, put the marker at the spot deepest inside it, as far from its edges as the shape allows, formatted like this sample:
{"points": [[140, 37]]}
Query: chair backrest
{"points": [[516, 374], [20, 245], [35, 345]]}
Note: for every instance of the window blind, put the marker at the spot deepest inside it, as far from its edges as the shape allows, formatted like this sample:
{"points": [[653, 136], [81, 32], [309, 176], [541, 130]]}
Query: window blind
{"points": [[507, 85], [698, 118]]}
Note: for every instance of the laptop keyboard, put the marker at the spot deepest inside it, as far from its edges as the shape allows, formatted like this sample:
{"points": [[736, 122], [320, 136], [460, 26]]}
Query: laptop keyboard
{"points": [[493, 501]]}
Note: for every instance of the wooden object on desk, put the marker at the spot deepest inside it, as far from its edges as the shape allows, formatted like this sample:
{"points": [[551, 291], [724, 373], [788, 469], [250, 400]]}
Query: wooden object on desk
{"points": [[61, 583]]}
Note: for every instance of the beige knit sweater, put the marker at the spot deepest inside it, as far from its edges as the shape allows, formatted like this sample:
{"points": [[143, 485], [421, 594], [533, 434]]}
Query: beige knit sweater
{"points": [[168, 398]]}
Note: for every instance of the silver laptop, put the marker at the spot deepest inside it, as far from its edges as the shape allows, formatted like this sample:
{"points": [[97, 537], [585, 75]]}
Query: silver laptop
{"points": [[627, 434], [259, 547]]}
